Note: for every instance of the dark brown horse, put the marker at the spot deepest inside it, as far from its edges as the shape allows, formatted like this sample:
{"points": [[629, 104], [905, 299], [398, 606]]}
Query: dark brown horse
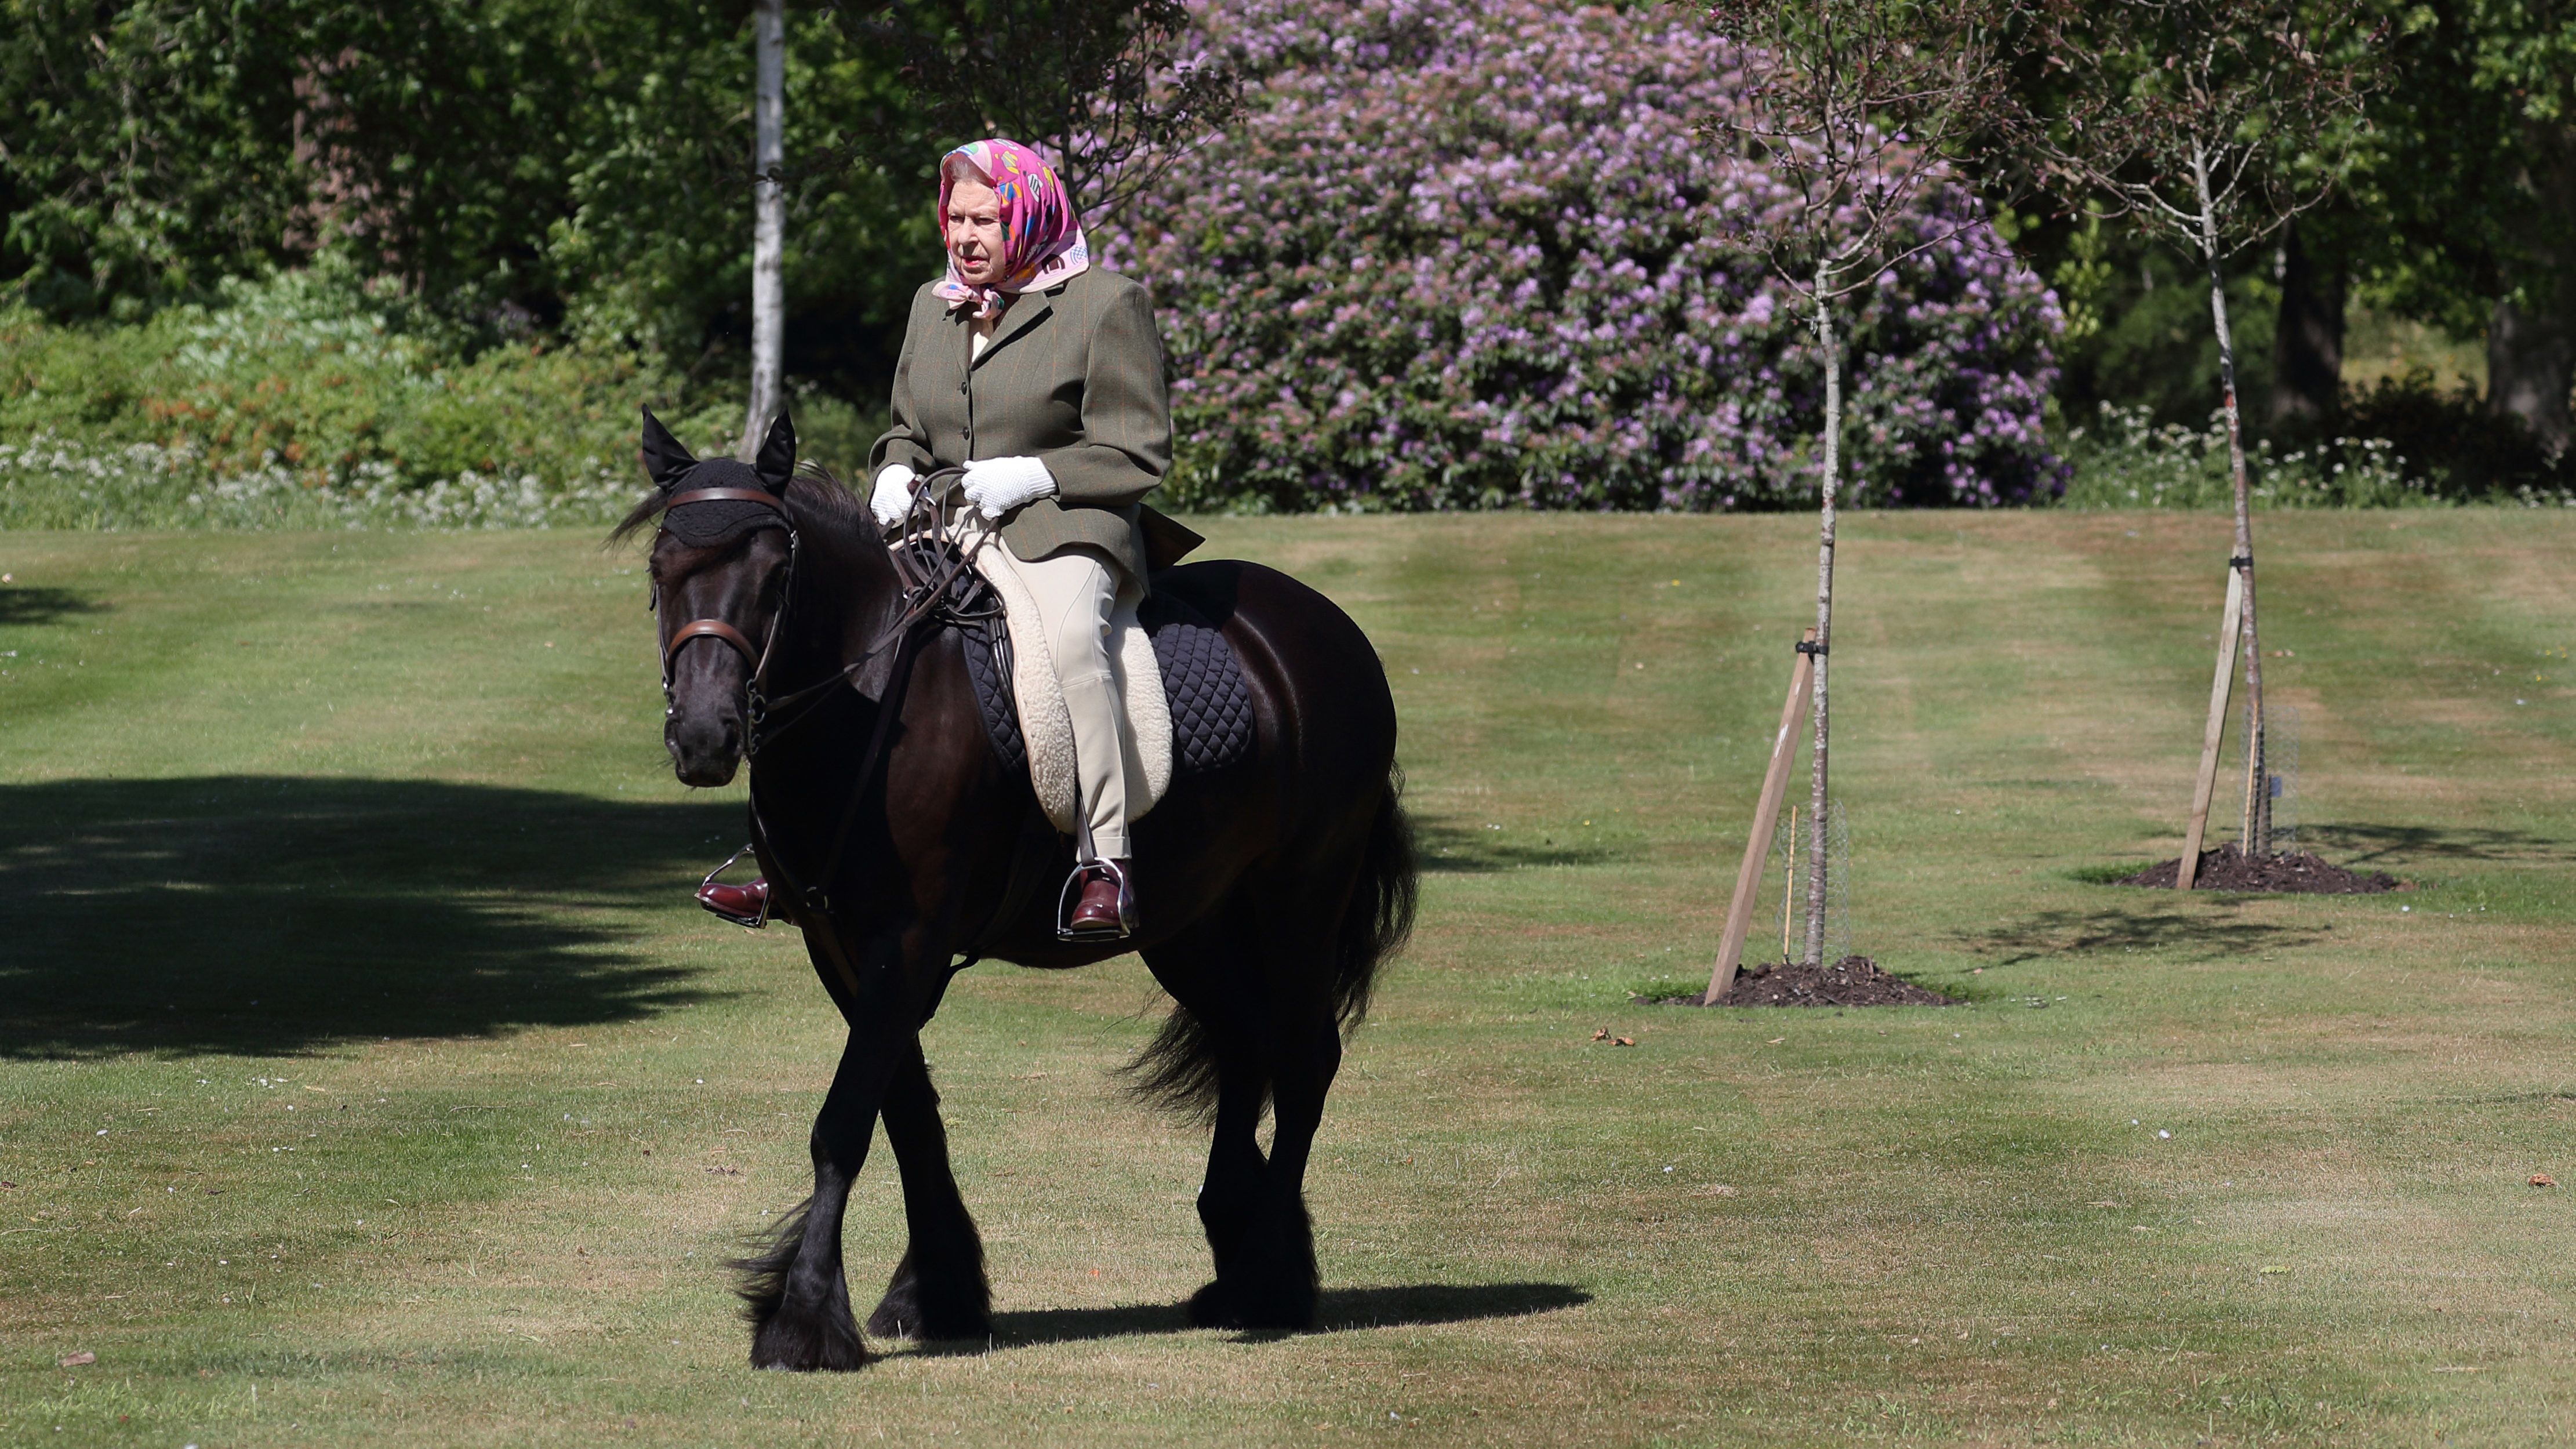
{"points": [[893, 834]]}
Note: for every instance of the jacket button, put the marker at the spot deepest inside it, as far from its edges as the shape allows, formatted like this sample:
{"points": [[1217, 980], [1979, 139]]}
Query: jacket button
{"points": [[961, 387]]}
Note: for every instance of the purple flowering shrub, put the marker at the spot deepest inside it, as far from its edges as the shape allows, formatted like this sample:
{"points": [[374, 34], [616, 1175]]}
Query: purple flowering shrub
{"points": [[1477, 255]]}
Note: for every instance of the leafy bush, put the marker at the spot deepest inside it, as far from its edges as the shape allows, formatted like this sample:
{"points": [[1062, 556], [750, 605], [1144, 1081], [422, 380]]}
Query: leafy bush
{"points": [[312, 398], [1471, 255], [50, 482], [2461, 450], [2127, 460], [324, 374]]}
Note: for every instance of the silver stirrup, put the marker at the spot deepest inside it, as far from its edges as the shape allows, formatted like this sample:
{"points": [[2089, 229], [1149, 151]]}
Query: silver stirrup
{"points": [[748, 923], [1087, 860], [1071, 895]]}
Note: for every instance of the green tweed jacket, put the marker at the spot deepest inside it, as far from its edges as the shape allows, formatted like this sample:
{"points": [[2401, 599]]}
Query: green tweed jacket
{"points": [[1073, 377]]}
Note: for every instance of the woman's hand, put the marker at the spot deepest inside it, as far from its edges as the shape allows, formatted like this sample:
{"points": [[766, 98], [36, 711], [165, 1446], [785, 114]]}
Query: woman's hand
{"points": [[998, 485], [892, 499]]}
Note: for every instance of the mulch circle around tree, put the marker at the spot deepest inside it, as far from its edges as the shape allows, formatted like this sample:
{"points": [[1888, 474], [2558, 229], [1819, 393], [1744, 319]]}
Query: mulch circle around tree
{"points": [[1852, 981], [2227, 869]]}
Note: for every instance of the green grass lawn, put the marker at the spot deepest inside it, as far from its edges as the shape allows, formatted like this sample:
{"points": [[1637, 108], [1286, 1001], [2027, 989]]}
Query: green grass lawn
{"points": [[366, 1075]]}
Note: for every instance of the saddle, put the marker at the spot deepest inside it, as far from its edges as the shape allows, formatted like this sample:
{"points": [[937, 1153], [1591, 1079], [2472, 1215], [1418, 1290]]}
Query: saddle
{"points": [[1188, 707]]}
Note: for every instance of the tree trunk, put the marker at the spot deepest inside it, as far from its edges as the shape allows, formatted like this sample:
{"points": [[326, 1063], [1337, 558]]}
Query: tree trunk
{"points": [[2258, 796], [769, 218], [1819, 840], [2531, 343], [2307, 346], [2531, 364]]}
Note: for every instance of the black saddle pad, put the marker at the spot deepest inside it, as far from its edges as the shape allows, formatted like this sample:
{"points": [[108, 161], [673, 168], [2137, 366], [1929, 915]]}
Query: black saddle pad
{"points": [[1203, 682]]}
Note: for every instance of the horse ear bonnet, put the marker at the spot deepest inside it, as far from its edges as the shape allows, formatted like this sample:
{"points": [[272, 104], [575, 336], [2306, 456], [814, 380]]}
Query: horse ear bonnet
{"points": [[722, 520], [704, 525]]}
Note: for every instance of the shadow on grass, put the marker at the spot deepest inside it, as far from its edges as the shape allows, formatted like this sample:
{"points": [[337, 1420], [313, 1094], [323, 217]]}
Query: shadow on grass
{"points": [[1475, 850], [43, 606], [266, 915], [2192, 935], [2355, 846], [1342, 1310]]}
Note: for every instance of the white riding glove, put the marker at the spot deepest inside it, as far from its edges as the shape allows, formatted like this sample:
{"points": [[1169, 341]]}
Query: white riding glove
{"points": [[893, 496], [998, 485]]}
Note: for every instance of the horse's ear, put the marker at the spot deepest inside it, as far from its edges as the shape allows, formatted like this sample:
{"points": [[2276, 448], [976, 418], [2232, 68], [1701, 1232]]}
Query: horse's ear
{"points": [[664, 459], [777, 458]]}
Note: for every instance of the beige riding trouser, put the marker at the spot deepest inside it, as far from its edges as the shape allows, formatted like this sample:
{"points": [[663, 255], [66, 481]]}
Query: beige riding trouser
{"points": [[1077, 591]]}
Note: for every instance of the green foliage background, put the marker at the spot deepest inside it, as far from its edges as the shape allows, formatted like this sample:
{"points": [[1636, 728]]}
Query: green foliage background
{"points": [[506, 220], [566, 168], [2444, 205]]}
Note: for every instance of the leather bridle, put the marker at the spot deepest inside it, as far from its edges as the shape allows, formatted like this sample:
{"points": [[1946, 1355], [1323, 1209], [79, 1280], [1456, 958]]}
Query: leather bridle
{"points": [[755, 658]]}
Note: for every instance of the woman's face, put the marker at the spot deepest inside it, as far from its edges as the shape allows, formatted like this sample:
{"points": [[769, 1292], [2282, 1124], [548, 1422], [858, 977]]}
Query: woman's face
{"points": [[975, 231]]}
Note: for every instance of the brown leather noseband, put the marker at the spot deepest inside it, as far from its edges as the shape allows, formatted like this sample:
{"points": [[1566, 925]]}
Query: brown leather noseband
{"points": [[714, 629]]}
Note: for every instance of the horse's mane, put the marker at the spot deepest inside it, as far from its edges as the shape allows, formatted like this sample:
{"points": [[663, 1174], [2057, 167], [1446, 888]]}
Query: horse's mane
{"points": [[822, 491], [812, 487]]}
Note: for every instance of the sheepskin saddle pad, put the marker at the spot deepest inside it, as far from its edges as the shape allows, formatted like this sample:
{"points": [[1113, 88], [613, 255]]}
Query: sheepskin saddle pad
{"points": [[1187, 705]]}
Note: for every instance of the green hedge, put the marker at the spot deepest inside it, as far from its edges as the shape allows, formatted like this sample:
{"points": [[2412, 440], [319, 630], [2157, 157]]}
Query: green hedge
{"points": [[311, 398]]}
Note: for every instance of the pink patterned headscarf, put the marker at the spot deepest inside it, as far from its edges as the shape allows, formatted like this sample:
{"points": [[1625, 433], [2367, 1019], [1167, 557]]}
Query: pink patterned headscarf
{"points": [[1042, 241]]}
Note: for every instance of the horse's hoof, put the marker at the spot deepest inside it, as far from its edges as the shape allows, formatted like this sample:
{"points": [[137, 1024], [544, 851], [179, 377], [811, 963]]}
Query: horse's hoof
{"points": [[1213, 1307], [949, 1304], [908, 1321], [1219, 1306], [794, 1347]]}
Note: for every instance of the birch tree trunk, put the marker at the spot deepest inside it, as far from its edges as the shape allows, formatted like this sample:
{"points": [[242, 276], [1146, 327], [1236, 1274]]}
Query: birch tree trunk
{"points": [[2257, 837], [768, 218], [1819, 839]]}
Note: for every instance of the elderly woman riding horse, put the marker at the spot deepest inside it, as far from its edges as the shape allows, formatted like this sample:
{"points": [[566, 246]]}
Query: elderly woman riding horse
{"points": [[1042, 377], [1279, 872]]}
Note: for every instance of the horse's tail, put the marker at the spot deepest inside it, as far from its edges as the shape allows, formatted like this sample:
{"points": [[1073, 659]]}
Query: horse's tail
{"points": [[1178, 1069], [1380, 916]]}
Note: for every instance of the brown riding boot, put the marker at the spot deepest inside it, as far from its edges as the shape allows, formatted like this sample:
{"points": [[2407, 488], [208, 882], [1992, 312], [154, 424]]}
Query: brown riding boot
{"points": [[744, 905], [1107, 907]]}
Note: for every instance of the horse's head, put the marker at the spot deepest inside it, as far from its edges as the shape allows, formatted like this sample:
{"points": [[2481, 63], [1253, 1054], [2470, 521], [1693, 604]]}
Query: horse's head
{"points": [[722, 564]]}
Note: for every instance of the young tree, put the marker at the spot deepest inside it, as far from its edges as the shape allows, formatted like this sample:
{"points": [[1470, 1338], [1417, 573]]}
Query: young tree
{"points": [[2213, 122], [1110, 90], [768, 218], [1856, 108]]}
